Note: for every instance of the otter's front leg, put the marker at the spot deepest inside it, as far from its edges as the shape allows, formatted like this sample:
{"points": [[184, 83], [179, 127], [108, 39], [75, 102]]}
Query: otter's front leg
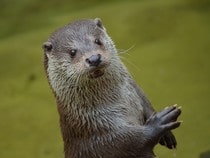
{"points": [[168, 139], [161, 123]]}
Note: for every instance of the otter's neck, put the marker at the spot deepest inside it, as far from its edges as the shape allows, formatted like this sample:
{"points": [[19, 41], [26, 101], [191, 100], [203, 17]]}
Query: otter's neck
{"points": [[87, 92], [82, 102]]}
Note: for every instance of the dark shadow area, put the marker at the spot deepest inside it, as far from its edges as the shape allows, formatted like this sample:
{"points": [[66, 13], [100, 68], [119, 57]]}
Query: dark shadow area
{"points": [[205, 154]]}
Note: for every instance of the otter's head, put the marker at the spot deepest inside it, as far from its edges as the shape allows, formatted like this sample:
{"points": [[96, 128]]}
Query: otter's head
{"points": [[80, 52]]}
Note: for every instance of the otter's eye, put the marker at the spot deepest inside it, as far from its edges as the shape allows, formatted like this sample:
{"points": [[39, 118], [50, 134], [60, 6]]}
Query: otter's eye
{"points": [[72, 52], [98, 41]]}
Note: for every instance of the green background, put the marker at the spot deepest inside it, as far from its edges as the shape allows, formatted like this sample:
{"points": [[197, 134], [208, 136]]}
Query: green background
{"points": [[169, 58]]}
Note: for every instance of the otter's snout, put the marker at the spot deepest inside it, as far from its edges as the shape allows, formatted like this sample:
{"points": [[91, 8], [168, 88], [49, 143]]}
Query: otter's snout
{"points": [[94, 60]]}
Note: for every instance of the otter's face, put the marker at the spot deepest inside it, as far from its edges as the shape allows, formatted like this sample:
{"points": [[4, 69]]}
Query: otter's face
{"points": [[82, 49]]}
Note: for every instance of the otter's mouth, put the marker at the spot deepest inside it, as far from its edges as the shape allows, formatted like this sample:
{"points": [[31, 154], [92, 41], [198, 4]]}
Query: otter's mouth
{"points": [[97, 73]]}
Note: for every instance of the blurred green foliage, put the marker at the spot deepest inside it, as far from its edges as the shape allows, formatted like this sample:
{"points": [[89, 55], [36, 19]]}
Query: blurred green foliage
{"points": [[170, 60]]}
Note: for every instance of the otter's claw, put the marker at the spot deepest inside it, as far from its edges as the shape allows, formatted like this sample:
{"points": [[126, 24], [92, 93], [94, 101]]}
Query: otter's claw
{"points": [[168, 140], [162, 122]]}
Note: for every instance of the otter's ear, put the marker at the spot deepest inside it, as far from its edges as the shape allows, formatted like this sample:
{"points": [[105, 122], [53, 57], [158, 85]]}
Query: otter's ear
{"points": [[47, 46], [98, 22]]}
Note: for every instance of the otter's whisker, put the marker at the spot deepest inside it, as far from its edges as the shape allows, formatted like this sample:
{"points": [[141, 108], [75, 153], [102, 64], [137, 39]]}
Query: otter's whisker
{"points": [[122, 51], [131, 63]]}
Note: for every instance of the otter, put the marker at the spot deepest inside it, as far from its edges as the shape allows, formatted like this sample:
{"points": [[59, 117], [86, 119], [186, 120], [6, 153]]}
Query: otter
{"points": [[103, 113]]}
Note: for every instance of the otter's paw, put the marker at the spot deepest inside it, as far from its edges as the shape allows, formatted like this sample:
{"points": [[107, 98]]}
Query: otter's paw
{"points": [[168, 140], [164, 121]]}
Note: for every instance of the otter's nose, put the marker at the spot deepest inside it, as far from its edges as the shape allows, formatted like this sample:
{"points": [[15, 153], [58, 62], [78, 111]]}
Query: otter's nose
{"points": [[94, 60]]}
